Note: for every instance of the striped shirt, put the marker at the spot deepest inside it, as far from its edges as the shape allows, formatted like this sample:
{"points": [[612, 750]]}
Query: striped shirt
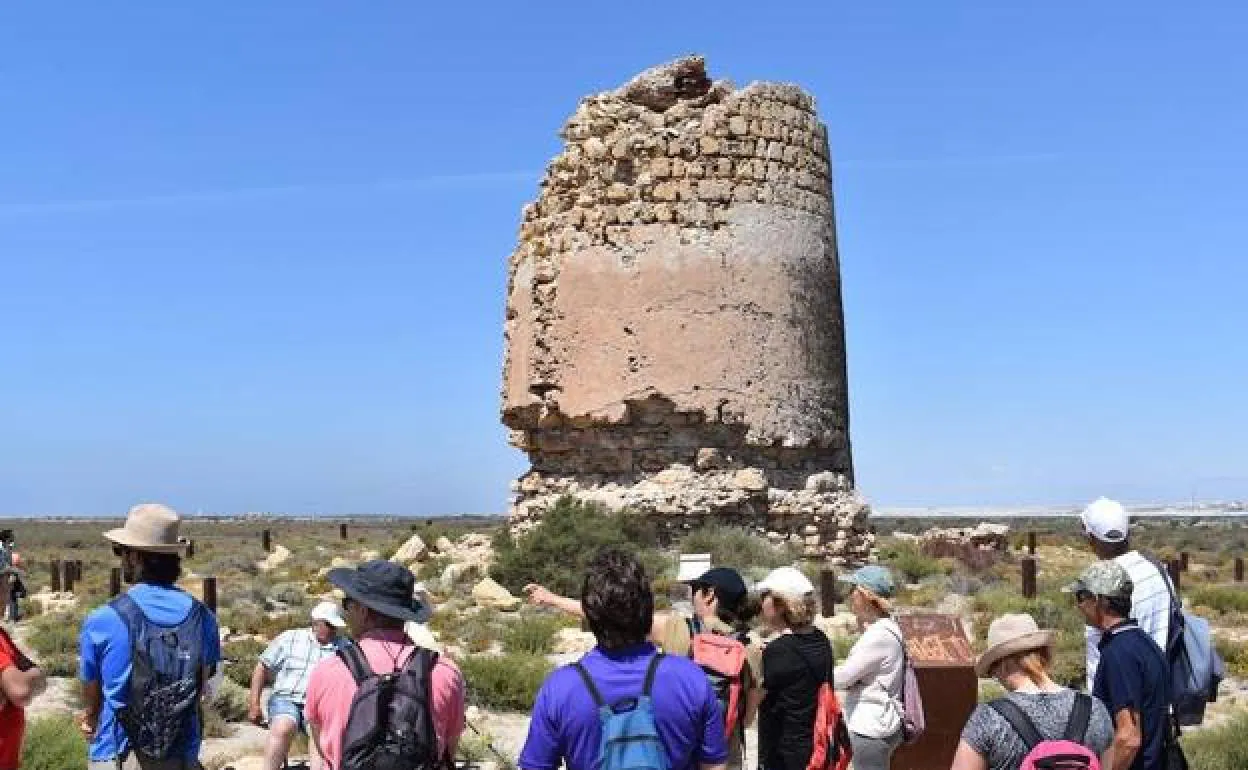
{"points": [[291, 657], [1150, 606]]}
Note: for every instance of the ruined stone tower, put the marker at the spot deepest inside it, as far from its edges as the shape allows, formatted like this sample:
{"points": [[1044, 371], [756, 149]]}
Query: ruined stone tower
{"points": [[674, 335]]}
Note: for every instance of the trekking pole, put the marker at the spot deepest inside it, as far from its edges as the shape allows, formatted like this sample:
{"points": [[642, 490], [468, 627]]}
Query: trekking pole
{"points": [[489, 745]]}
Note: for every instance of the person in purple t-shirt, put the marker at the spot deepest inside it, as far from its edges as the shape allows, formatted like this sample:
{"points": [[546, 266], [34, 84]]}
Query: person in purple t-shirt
{"points": [[619, 607]]}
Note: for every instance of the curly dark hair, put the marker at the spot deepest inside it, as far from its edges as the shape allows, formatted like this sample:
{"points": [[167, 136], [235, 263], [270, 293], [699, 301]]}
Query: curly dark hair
{"points": [[618, 602]]}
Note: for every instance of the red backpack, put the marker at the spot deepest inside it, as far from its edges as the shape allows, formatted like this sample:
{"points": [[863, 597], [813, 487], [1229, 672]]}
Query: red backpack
{"points": [[722, 658], [831, 749]]}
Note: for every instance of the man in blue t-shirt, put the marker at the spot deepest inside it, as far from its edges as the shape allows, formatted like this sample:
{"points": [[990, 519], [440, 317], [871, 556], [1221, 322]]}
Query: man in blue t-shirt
{"points": [[150, 553], [566, 727], [1133, 677]]}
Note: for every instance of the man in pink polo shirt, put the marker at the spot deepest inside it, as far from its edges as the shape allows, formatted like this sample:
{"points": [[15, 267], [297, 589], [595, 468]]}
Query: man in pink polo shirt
{"points": [[379, 600]]}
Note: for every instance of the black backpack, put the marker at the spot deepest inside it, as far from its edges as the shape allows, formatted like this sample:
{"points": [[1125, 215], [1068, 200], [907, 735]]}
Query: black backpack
{"points": [[390, 724], [166, 673]]}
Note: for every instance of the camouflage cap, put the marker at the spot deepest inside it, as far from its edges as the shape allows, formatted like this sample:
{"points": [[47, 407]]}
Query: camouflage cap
{"points": [[1104, 578]]}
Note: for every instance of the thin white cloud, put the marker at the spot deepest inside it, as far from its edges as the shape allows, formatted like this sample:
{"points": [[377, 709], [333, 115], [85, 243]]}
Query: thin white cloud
{"points": [[433, 182]]}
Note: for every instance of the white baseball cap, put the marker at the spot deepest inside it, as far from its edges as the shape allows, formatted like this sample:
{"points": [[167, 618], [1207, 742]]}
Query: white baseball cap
{"points": [[786, 581], [1106, 520], [329, 612]]}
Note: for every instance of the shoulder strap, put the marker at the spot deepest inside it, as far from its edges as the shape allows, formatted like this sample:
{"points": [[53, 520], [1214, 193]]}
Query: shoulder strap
{"points": [[1080, 715], [129, 611], [650, 672], [905, 660], [1165, 578], [1022, 724], [589, 685], [353, 657]]}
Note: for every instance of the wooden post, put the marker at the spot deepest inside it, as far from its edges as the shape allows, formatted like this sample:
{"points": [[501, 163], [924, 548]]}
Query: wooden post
{"points": [[1029, 577], [1175, 568], [114, 581], [1239, 569], [1183, 561], [210, 592], [67, 579], [342, 531], [78, 570], [56, 575], [190, 549], [1031, 543], [266, 541], [827, 592]]}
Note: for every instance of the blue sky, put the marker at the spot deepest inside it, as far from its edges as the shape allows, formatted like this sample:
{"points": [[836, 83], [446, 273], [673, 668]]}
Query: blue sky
{"points": [[252, 254]]}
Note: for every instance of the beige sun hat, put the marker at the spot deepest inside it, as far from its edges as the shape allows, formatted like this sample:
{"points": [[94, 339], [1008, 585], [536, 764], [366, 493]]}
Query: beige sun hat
{"points": [[1010, 635], [150, 527]]}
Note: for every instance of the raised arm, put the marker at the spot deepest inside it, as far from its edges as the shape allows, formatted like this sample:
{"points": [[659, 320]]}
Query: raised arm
{"points": [[540, 596]]}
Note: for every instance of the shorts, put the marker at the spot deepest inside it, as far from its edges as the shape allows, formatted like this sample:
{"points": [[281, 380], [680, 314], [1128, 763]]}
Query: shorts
{"points": [[281, 706]]}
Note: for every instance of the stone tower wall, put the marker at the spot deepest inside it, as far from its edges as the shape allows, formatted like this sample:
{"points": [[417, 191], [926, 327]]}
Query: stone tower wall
{"points": [[674, 333]]}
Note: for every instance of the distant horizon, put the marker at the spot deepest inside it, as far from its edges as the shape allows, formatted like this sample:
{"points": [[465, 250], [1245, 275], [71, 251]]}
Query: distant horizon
{"points": [[1203, 508]]}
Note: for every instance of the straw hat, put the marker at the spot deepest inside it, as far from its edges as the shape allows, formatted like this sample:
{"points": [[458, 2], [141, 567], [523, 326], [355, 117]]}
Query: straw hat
{"points": [[1009, 635], [150, 527]]}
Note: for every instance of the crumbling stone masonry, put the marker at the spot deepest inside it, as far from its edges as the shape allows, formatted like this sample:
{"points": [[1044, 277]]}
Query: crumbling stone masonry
{"points": [[674, 335]]}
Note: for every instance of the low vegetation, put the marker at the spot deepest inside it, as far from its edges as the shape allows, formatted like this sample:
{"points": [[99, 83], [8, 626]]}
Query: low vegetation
{"points": [[505, 682], [1219, 748], [54, 743]]}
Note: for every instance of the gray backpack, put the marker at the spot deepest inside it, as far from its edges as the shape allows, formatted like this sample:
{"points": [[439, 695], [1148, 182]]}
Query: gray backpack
{"points": [[390, 724], [166, 670]]}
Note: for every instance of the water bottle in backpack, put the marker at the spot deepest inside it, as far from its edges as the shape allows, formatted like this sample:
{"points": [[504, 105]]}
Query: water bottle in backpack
{"points": [[390, 722], [165, 680]]}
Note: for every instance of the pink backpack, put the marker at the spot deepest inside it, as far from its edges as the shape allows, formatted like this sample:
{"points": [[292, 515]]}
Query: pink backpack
{"points": [[1069, 753], [913, 718]]}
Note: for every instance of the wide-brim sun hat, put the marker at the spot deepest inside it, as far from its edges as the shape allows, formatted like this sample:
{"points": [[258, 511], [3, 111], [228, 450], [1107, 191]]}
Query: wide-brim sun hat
{"points": [[382, 586], [150, 527], [1009, 635]]}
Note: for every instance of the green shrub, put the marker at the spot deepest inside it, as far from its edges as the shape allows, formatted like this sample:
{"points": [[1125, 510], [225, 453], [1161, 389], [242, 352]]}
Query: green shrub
{"points": [[54, 743], [30, 607], [505, 682], [910, 562], [1221, 599], [532, 634], [290, 594], [1234, 654], [54, 638], [230, 701], [214, 723], [1219, 748], [736, 547], [556, 552], [240, 660], [475, 630]]}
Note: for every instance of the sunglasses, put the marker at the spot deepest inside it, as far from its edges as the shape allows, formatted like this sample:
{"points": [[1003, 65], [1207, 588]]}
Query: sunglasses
{"points": [[1082, 596], [120, 550]]}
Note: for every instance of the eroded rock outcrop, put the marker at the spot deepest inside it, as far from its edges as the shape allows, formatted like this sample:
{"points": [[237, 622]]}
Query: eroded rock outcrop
{"points": [[674, 332]]}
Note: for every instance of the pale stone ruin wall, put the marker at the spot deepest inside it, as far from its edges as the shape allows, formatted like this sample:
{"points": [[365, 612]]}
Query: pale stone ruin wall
{"points": [[674, 332]]}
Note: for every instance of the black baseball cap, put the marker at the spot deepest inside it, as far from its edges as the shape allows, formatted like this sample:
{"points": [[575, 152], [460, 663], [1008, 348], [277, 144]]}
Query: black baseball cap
{"points": [[728, 584]]}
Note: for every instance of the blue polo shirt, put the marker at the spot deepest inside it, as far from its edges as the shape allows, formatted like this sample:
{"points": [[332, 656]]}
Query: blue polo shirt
{"points": [[565, 726], [104, 657], [1133, 675]]}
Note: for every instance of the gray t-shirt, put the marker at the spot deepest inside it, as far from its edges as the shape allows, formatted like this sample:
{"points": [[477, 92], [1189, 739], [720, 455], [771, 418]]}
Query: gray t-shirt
{"points": [[989, 734]]}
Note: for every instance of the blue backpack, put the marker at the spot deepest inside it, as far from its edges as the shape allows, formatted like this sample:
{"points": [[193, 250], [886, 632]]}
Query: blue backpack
{"points": [[166, 664], [630, 738], [1195, 667]]}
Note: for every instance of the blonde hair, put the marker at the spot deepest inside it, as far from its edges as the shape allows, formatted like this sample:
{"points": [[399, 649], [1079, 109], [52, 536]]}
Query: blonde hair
{"points": [[1034, 664], [882, 605], [797, 612]]}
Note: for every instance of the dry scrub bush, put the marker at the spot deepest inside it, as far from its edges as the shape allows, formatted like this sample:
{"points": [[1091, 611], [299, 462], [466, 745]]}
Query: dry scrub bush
{"points": [[505, 682], [54, 743], [1219, 748]]}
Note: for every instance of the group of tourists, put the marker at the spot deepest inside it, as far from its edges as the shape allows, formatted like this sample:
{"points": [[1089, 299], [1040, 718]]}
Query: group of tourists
{"points": [[659, 691]]}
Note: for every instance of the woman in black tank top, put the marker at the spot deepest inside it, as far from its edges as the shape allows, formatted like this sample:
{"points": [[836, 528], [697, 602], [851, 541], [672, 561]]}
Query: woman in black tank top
{"points": [[796, 663]]}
